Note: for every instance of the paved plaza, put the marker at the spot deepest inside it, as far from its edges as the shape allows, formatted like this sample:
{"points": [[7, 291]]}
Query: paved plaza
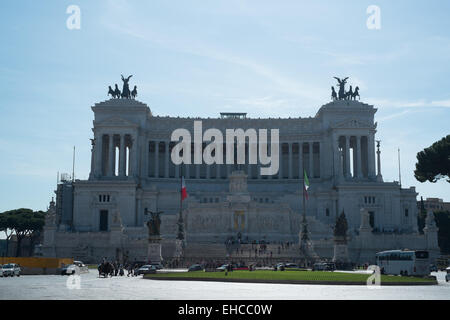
{"points": [[91, 287]]}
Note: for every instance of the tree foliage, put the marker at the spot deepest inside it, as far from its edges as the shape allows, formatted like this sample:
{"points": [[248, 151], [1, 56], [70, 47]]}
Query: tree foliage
{"points": [[433, 163], [21, 222]]}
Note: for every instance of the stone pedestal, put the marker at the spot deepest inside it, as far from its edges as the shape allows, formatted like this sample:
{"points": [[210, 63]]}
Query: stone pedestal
{"points": [[154, 250], [340, 253]]}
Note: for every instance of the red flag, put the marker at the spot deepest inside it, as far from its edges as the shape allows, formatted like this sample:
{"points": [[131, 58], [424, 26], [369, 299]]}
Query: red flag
{"points": [[184, 194]]}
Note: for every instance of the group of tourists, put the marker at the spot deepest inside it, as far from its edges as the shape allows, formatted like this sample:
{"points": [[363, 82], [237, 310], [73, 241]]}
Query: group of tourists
{"points": [[114, 269]]}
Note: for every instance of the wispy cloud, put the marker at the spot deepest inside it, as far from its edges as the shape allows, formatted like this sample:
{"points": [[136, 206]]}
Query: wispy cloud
{"points": [[192, 45], [422, 103]]}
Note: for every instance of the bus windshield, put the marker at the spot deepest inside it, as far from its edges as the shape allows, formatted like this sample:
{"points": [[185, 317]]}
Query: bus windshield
{"points": [[421, 254]]}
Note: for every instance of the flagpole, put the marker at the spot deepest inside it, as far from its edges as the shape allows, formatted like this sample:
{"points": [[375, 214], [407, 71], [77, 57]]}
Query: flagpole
{"points": [[181, 192]]}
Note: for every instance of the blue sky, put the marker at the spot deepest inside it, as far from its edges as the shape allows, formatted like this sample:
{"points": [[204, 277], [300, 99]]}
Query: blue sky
{"points": [[198, 58]]}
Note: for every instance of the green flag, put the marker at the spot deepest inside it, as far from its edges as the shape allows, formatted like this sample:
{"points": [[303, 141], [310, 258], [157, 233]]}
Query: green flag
{"points": [[306, 185]]}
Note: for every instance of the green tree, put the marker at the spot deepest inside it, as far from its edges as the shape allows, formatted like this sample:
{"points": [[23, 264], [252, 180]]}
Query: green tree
{"points": [[23, 223], [6, 225], [421, 216], [443, 223], [433, 163]]}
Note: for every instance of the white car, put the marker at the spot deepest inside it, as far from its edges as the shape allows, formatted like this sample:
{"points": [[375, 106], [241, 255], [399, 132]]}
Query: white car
{"points": [[11, 269], [1, 271], [77, 267], [447, 276]]}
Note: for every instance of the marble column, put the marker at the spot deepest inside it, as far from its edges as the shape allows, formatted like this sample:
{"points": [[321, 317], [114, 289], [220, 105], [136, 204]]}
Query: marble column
{"points": [[122, 156], [134, 156], [290, 160], [146, 157], [321, 160], [91, 174], [111, 155], [301, 172], [347, 157], [311, 160], [218, 171], [358, 157], [281, 157], [166, 165], [156, 159], [98, 154], [371, 155]]}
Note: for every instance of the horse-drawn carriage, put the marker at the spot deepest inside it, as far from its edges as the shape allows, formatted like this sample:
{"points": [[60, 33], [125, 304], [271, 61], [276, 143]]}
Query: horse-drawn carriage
{"points": [[105, 269]]}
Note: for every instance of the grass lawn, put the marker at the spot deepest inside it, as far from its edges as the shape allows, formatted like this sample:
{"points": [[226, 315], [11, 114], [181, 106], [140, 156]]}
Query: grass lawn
{"points": [[284, 276]]}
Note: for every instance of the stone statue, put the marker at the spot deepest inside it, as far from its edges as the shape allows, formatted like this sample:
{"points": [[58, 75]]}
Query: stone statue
{"points": [[115, 94], [154, 224], [343, 95], [340, 229], [341, 83], [134, 92], [355, 94], [333, 94], [117, 220], [117, 91], [126, 89]]}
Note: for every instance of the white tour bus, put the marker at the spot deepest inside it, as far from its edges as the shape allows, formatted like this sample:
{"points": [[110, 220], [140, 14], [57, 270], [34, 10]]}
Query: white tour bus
{"points": [[404, 262]]}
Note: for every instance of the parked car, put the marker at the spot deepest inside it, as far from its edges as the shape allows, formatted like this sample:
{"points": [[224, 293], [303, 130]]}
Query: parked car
{"points": [[76, 267], [433, 268], [280, 266], [146, 269], [324, 266], [11, 269], [225, 267], [291, 266], [1, 271], [447, 276], [195, 267], [158, 266]]}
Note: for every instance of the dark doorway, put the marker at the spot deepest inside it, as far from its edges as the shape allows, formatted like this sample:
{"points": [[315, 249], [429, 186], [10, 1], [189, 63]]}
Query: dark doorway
{"points": [[372, 218], [103, 220]]}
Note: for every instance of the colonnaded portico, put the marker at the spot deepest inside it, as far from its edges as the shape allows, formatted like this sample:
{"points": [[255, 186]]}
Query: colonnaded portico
{"points": [[132, 173]]}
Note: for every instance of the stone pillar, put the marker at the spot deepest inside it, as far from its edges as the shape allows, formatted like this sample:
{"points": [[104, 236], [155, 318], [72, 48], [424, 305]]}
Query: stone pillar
{"points": [[379, 176], [311, 160], [290, 160], [154, 255], [218, 171], [146, 157], [156, 159], [135, 146], [280, 170], [197, 171], [111, 155], [358, 157], [371, 155], [347, 157], [91, 174], [166, 166], [208, 170], [300, 160], [98, 154], [122, 156]]}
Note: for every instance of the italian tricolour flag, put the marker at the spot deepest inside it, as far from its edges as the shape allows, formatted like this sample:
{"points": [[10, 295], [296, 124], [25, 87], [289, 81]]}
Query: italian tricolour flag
{"points": [[184, 194], [306, 185]]}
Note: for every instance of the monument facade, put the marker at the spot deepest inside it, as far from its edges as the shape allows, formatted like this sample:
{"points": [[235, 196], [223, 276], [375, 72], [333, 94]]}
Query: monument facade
{"points": [[132, 173]]}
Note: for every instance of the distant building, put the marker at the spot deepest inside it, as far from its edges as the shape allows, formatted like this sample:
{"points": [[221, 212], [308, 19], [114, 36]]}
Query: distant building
{"points": [[434, 204]]}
